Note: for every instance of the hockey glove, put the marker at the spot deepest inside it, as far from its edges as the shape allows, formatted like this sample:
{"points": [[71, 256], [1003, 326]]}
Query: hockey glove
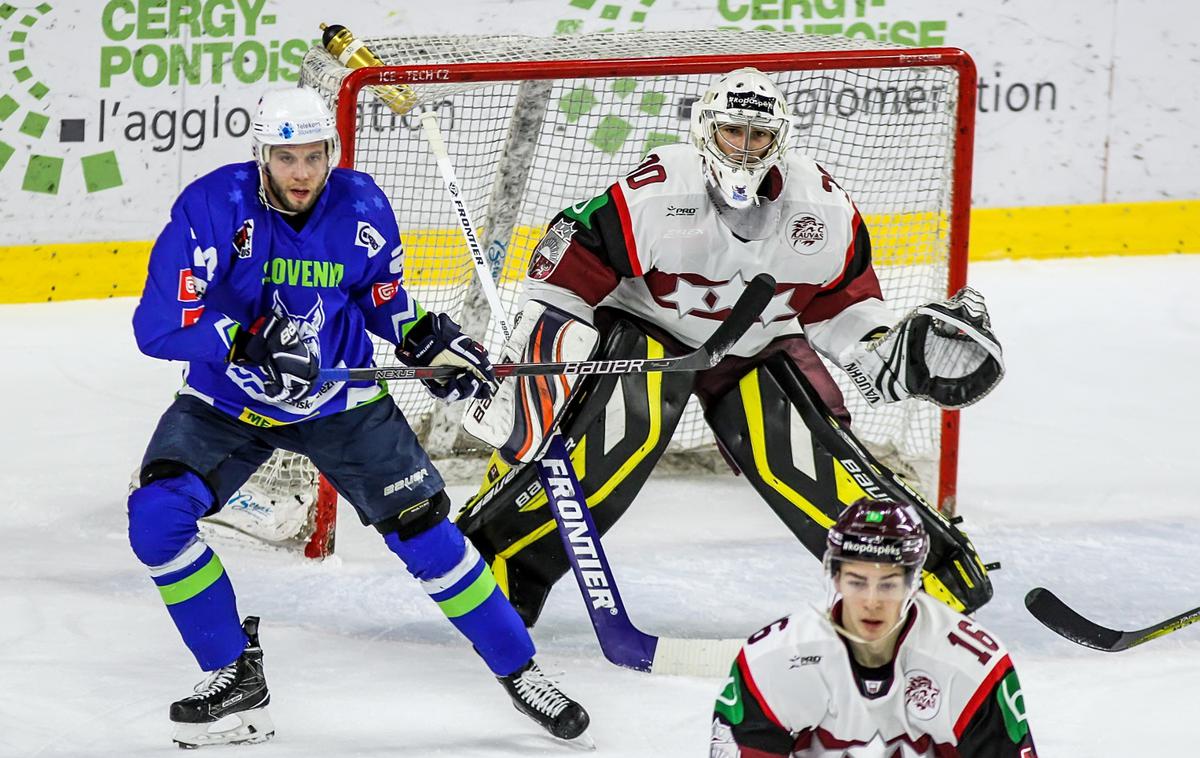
{"points": [[944, 352], [436, 340], [274, 345], [520, 419]]}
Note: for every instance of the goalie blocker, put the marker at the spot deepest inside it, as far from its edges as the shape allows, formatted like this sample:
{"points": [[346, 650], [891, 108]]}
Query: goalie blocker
{"points": [[619, 426]]}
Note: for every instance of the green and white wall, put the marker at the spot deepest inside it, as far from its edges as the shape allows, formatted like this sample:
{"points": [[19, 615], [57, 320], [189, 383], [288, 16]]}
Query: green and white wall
{"points": [[1087, 135]]}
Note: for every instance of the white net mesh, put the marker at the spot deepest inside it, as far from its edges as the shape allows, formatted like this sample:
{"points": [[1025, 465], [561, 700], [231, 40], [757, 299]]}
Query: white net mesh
{"points": [[524, 150]]}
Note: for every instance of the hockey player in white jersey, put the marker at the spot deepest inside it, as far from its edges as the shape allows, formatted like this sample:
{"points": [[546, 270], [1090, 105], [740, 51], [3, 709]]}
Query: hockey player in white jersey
{"points": [[650, 268], [881, 670]]}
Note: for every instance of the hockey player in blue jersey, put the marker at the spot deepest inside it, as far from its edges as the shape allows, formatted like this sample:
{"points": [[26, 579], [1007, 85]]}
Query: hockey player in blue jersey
{"points": [[267, 271]]}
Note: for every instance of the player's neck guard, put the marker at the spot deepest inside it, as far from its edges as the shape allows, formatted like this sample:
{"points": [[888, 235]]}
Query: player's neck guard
{"points": [[750, 222]]}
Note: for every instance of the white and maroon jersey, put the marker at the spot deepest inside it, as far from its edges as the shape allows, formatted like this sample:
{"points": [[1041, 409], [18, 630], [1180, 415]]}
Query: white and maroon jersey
{"points": [[654, 245], [951, 690]]}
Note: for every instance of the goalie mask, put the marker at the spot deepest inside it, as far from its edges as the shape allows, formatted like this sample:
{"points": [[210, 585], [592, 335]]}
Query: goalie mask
{"points": [[292, 117], [874, 534], [740, 128]]}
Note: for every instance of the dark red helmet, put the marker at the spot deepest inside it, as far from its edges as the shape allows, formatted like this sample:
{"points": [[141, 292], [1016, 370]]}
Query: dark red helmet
{"points": [[876, 531]]}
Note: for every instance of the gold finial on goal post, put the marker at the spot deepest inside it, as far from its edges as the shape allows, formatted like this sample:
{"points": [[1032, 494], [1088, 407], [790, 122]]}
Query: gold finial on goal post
{"points": [[352, 53]]}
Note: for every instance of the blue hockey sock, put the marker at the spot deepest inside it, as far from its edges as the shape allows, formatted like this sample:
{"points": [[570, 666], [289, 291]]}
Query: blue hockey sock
{"points": [[456, 577], [200, 599], [189, 576]]}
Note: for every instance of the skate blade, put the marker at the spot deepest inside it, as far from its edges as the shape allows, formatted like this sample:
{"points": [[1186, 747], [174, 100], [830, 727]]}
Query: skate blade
{"points": [[245, 728], [582, 742]]}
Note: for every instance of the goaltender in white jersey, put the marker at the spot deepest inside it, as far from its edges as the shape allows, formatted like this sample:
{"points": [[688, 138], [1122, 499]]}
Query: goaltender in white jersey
{"points": [[650, 268], [804, 238], [884, 670]]}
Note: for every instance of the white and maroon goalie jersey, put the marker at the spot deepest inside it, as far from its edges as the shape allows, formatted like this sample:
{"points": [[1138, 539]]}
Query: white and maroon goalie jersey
{"points": [[950, 691], [655, 245]]}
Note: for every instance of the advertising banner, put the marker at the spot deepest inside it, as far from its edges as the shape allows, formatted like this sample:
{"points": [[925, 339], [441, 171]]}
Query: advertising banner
{"points": [[108, 108]]}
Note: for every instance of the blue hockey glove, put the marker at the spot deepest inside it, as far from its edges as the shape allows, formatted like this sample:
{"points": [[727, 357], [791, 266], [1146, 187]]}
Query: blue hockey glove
{"points": [[436, 340], [274, 345]]}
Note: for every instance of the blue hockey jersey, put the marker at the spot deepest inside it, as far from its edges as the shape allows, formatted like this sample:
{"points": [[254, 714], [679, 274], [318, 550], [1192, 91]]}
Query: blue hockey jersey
{"points": [[225, 259]]}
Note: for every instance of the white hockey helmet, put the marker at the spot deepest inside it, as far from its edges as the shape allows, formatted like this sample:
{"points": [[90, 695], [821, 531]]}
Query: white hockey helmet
{"points": [[749, 99], [293, 116]]}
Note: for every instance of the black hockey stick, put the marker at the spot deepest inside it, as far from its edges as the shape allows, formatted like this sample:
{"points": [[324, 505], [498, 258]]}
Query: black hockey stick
{"points": [[1061, 619], [745, 311]]}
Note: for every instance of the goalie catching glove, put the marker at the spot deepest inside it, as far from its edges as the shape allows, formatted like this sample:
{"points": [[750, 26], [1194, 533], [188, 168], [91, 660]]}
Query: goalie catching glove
{"points": [[436, 340], [520, 419], [944, 352]]}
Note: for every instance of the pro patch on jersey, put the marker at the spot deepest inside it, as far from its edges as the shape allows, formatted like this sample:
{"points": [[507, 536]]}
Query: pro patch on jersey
{"points": [[243, 239], [550, 249], [749, 101], [806, 233]]}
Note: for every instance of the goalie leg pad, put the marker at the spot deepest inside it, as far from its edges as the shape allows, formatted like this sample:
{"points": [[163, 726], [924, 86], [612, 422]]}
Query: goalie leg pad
{"points": [[189, 575], [519, 420], [617, 431], [777, 430], [452, 572]]}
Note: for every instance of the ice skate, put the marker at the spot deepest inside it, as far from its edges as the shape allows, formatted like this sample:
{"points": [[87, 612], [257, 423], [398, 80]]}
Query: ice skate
{"points": [[537, 696], [230, 706]]}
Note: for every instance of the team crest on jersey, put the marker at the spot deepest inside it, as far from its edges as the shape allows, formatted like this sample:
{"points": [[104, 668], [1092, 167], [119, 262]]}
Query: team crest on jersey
{"points": [[806, 233], [368, 237], [550, 249], [922, 696], [243, 239]]}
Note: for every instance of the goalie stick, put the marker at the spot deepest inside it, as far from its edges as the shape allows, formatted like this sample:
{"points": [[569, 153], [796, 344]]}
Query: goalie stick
{"points": [[754, 298], [1059, 618], [621, 642]]}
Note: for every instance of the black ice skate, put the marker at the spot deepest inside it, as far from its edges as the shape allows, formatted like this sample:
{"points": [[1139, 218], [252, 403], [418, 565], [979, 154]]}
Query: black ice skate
{"points": [[237, 691], [535, 695]]}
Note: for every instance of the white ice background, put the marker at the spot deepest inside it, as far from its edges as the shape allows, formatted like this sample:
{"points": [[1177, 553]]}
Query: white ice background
{"points": [[1078, 474]]}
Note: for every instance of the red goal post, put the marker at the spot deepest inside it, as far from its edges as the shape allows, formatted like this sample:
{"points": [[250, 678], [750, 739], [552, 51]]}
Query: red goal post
{"points": [[534, 125]]}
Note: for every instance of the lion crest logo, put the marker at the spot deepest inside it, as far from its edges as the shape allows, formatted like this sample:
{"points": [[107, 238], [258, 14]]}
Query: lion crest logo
{"points": [[806, 233], [922, 697]]}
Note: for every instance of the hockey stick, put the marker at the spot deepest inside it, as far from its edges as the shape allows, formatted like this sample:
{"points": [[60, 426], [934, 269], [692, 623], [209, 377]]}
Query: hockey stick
{"points": [[1061, 619], [705, 356], [621, 642]]}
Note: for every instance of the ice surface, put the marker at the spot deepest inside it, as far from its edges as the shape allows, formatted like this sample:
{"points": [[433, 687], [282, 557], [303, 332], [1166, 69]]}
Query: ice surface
{"points": [[1077, 474]]}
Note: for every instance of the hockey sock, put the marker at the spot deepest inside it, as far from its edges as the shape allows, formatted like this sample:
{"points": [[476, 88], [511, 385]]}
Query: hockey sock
{"points": [[192, 582], [458, 580]]}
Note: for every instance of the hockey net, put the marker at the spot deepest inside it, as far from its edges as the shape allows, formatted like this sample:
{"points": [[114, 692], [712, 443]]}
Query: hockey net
{"points": [[534, 125]]}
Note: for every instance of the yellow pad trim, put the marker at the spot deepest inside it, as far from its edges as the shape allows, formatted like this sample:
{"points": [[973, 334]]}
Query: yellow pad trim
{"points": [[752, 405], [654, 395]]}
